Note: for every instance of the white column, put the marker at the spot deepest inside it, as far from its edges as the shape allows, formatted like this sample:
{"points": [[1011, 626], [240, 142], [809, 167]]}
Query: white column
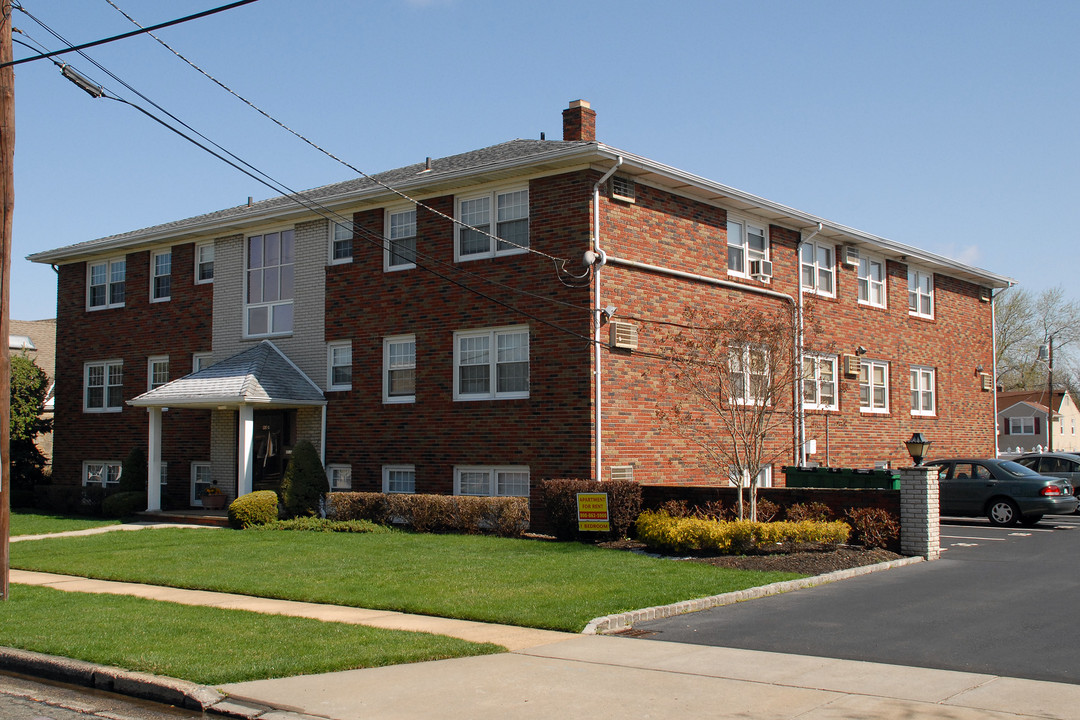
{"points": [[245, 452], [153, 462]]}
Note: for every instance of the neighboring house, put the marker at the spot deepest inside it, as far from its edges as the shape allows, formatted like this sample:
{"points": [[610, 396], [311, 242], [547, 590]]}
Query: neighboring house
{"points": [[36, 339], [1022, 424], [422, 356]]}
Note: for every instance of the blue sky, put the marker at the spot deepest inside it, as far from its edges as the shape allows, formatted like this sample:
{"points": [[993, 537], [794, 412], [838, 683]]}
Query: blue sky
{"points": [[950, 126]]}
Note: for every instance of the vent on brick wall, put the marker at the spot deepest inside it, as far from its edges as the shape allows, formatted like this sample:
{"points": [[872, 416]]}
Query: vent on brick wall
{"points": [[985, 294], [623, 335], [851, 365], [850, 255], [622, 472], [987, 381], [622, 188]]}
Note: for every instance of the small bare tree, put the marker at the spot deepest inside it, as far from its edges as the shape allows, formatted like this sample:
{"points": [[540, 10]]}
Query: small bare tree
{"points": [[731, 381]]}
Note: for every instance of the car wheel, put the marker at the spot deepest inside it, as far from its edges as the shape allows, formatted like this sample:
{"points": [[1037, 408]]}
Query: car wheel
{"points": [[1003, 512], [1029, 520]]}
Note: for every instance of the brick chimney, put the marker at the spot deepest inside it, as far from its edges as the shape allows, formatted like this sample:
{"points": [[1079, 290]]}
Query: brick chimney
{"points": [[579, 122]]}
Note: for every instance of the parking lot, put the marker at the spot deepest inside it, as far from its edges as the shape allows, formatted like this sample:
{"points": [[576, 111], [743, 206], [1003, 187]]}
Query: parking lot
{"points": [[1000, 600]]}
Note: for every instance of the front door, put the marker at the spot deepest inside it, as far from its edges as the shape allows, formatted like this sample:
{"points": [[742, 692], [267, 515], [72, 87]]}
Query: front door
{"points": [[275, 436]]}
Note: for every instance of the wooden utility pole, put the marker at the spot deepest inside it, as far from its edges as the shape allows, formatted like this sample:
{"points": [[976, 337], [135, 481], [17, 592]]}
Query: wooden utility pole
{"points": [[7, 205]]}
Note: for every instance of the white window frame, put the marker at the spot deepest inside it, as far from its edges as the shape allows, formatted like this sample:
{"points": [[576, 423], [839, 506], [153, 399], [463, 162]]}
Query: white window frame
{"points": [[739, 363], [867, 281], [112, 267], [923, 385], [397, 365], [391, 485], [916, 279], [270, 305], [764, 477], [201, 260], [196, 491], [154, 365], [814, 379], [1017, 425], [396, 222], [200, 361], [821, 268], [336, 354], [103, 468], [492, 335], [340, 477], [741, 246], [871, 386], [156, 274], [106, 368], [340, 232], [492, 481], [492, 224]]}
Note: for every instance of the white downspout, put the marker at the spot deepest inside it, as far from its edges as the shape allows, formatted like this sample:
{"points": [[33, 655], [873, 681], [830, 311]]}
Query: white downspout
{"points": [[993, 367], [599, 261], [800, 415]]}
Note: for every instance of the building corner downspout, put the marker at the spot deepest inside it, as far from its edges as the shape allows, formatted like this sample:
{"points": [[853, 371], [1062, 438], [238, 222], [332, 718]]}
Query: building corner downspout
{"points": [[599, 261], [800, 412], [993, 367]]}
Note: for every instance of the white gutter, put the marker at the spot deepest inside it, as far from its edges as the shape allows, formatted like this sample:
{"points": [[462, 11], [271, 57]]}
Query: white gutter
{"points": [[599, 261], [800, 339]]}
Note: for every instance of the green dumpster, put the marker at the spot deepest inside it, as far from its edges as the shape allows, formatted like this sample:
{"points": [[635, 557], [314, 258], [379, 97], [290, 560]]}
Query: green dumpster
{"points": [[826, 477]]}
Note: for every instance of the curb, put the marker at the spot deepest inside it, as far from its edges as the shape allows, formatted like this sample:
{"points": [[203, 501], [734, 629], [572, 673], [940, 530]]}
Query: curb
{"points": [[624, 621]]}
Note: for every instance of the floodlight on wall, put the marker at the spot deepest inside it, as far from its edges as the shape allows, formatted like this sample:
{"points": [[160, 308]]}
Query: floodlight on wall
{"points": [[860, 350]]}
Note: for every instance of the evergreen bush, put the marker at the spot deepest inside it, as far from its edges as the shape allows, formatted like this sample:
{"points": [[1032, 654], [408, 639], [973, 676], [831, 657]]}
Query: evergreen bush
{"points": [[305, 483], [257, 508]]}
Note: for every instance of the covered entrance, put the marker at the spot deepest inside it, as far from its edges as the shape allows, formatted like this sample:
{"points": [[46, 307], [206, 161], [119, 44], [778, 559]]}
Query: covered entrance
{"points": [[275, 437]]}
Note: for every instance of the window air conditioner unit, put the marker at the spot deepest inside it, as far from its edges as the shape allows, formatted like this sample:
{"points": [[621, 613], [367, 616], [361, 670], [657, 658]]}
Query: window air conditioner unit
{"points": [[851, 365], [623, 335], [760, 269], [850, 255]]}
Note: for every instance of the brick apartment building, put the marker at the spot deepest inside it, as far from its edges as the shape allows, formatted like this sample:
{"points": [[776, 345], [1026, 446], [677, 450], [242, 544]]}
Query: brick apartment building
{"points": [[421, 355]]}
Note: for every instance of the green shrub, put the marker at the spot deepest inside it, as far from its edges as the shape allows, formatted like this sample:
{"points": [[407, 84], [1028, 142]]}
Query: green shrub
{"points": [[257, 508], [357, 506], [305, 483], [123, 504], [133, 472], [503, 516], [314, 524], [873, 527], [817, 511], [661, 532], [560, 501]]}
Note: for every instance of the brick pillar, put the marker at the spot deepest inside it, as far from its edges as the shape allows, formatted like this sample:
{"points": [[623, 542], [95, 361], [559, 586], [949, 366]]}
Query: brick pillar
{"points": [[920, 525], [579, 122]]}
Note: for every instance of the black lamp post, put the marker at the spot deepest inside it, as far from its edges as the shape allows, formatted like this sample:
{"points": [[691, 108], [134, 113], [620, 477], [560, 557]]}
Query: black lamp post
{"points": [[917, 447]]}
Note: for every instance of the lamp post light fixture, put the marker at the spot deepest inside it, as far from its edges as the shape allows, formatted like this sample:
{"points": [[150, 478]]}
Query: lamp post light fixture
{"points": [[917, 447]]}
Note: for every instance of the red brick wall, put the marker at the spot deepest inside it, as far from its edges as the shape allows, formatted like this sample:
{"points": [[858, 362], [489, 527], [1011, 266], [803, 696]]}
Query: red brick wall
{"points": [[133, 333]]}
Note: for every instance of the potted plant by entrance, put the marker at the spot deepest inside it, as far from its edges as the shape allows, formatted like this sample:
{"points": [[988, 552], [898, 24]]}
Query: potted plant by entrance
{"points": [[213, 498]]}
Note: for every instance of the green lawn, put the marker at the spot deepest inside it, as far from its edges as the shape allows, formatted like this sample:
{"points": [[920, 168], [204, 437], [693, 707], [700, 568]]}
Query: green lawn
{"points": [[205, 645], [26, 523], [559, 586]]}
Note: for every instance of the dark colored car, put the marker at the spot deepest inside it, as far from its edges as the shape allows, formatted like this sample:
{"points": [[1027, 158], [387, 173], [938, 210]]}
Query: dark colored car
{"points": [[1007, 493], [1064, 465]]}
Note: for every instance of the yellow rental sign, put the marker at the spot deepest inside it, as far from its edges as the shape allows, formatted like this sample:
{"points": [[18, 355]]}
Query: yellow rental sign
{"points": [[593, 512]]}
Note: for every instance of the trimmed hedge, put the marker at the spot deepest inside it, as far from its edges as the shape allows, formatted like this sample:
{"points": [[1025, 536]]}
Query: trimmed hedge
{"points": [[503, 516], [257, 508], [560, 501], [314, 524], [124, 504], [664, 533]]}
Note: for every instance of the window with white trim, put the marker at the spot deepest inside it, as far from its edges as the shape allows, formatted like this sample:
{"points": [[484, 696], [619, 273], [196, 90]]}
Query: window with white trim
{"points": [[204, 263], [399, 478], [920, 292], [749, 367], [399, 369], [340, 477], [101, 472], [511, 224], [923, 400], [872, 281], [157, 371], [339, 365], [491, 364], [818, 268], [746, 241], [105, 284], [161, 276], [201, 478], [269, 306], [1022, 425], [819, 382], [764, 477], [103, 384], [873, 386], [200, 360], [400, 251], [510, 481], [341, 237]]}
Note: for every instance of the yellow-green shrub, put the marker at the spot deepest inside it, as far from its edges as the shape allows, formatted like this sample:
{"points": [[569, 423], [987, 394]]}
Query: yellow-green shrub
{"points": [[257, 508], [662, 532]]}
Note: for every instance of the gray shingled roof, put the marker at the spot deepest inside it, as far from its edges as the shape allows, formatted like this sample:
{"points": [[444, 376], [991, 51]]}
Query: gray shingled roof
{"points": [[259, 375]]}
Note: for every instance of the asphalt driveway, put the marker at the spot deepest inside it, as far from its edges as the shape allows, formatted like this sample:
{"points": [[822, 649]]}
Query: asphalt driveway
{"points": [[1004, 601]]}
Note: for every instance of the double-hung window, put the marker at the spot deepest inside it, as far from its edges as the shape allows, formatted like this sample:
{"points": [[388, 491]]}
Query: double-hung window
{"points": [[269, 307], [204, 263], [819, 382], [103, 384], [341, 243], [749, 367], [746, 241], [923, 401], [157, 371], [872, 281], [401, 236], [399, 479], [101, 472], [920, 293], [510, 212], [492, 481], [491, 364], [399, 369], [1022, 425], [873, 386], [105, 284], [339, 364], [818, 268], [201, 478], [161, 279]]}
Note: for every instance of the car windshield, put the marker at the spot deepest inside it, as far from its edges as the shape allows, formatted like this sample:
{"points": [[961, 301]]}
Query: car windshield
{"points": [[1017, 469]]}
